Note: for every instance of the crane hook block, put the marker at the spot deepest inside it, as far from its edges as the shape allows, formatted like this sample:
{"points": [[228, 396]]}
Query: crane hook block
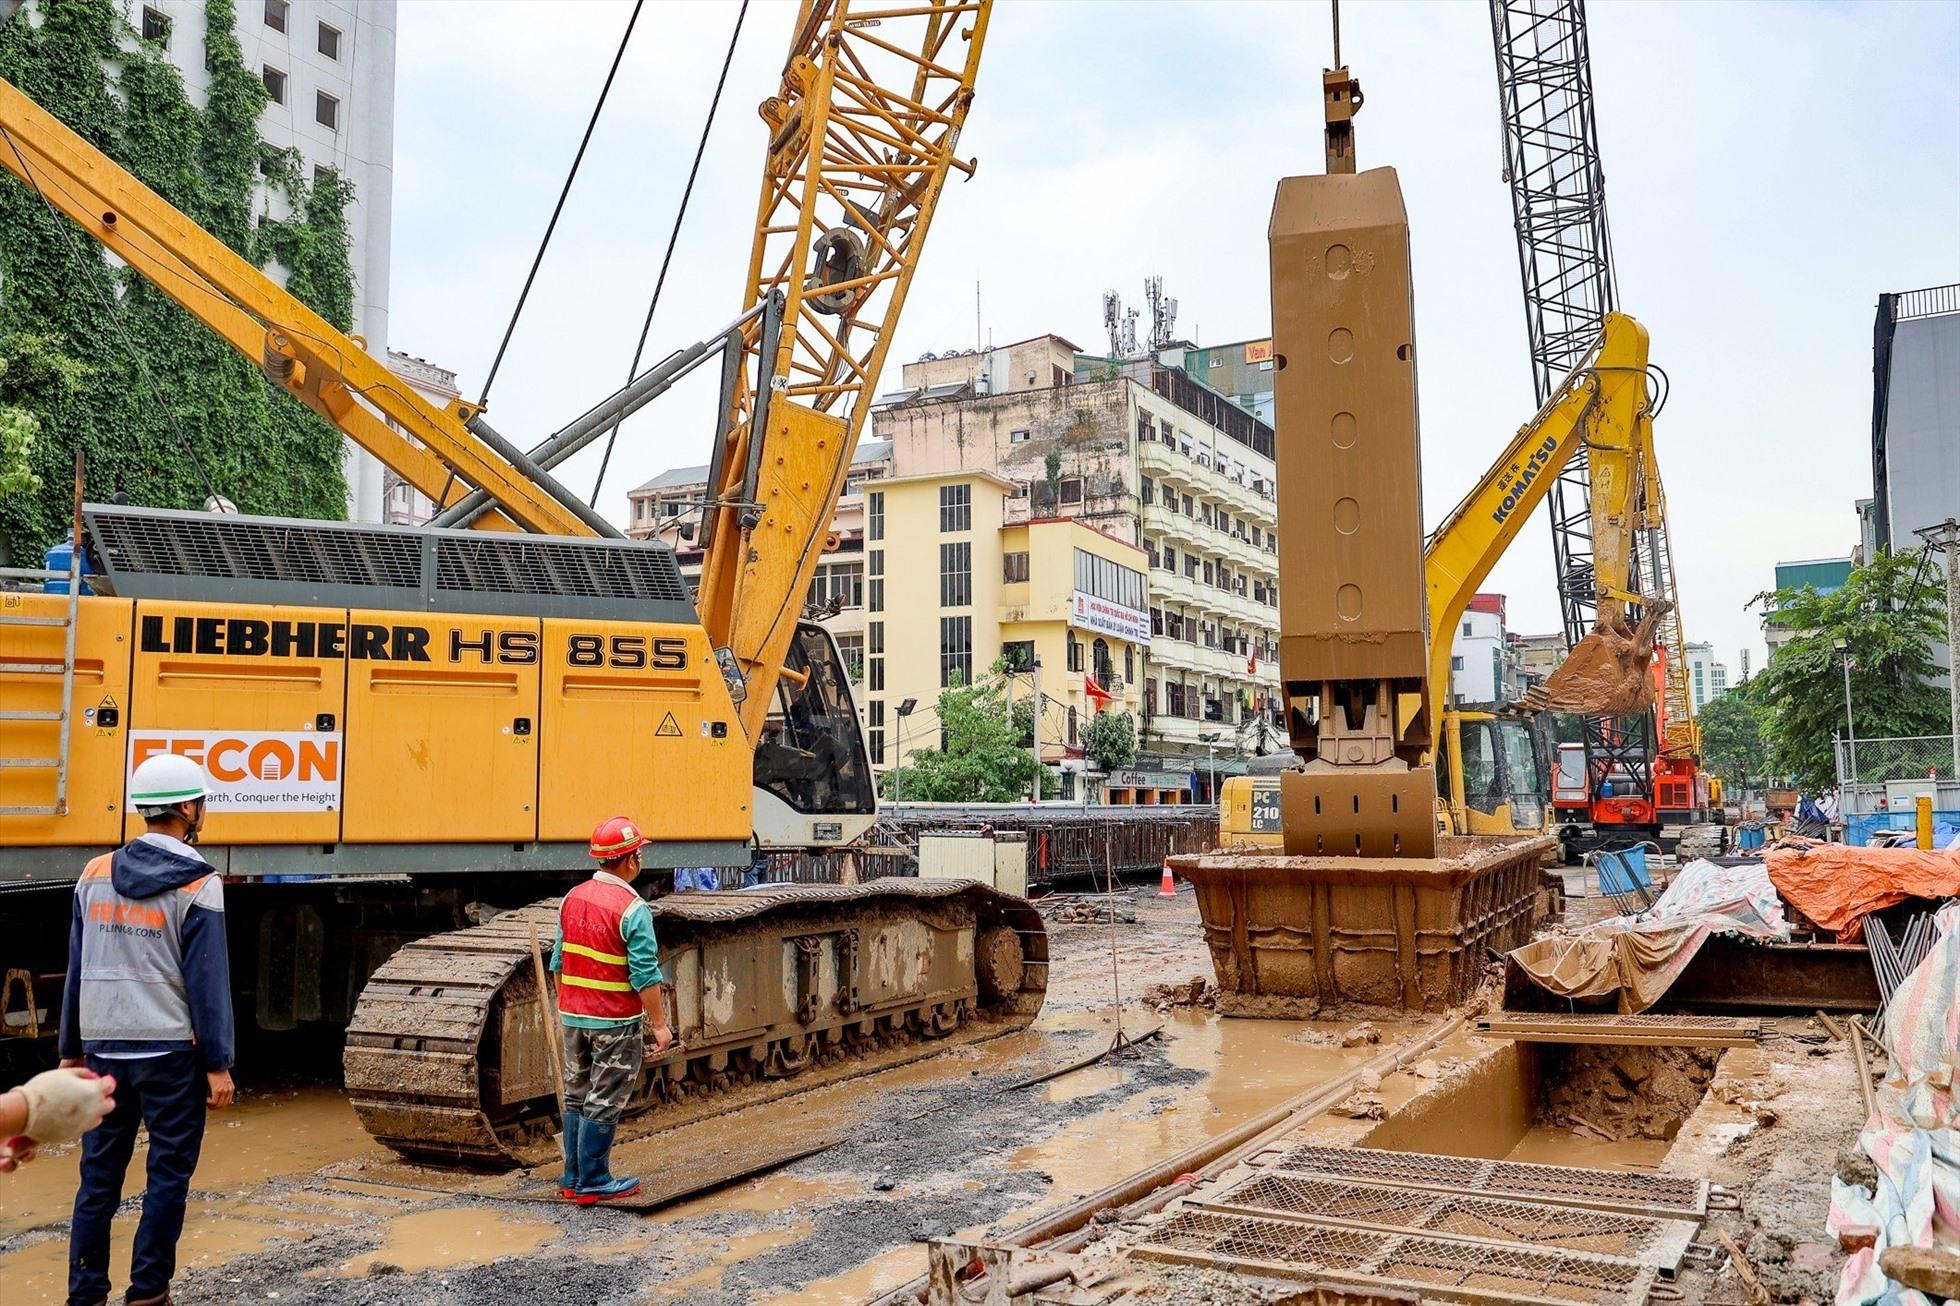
{"points": [[839, 258]]}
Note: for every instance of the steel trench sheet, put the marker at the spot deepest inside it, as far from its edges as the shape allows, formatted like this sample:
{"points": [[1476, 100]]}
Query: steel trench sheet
{"points": [[1439, 1269], [1663, 1196], [1623, 1030], [1649, 1240]]}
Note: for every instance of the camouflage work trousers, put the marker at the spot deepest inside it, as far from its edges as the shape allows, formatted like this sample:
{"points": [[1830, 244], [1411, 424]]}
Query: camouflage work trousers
{"points": [[602, 1067]]}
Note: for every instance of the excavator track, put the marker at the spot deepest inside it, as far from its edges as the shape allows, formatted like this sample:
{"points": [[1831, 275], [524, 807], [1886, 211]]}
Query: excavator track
{"points": [[771, 992]]}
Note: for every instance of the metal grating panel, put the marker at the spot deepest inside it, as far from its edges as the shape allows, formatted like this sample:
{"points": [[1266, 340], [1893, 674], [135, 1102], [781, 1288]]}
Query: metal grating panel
{"points": [[1643, 1238], [1602, 1190], [1619, 1030], [147, 553], [211, 546], [517, 564], [1440, 1269]]}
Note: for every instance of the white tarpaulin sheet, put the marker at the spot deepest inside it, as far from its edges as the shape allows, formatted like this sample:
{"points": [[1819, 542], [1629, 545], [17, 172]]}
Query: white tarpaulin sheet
{"points": [[1914, 1135]]}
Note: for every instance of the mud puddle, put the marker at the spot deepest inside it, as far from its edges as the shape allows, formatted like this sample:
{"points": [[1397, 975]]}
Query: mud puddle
{"points": [[448, 1237]]}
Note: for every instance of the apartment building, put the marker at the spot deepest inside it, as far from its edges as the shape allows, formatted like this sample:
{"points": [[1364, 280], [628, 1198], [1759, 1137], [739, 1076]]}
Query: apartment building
{"points": [[401, 503], [1146, 455], [329, 70], [1707, 678], [960, 573]]}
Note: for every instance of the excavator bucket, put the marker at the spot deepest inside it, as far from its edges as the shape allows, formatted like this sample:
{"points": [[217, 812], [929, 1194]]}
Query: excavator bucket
{"points": [[1609, 672]]}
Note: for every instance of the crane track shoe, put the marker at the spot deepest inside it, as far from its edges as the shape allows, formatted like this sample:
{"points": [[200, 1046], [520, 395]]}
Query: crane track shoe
{"points": [[775, 990]]}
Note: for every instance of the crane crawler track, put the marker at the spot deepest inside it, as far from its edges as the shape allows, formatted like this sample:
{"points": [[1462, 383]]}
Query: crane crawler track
{"points": [[772, 992]]}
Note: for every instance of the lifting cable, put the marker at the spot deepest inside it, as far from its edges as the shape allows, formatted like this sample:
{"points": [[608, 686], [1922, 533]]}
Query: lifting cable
{"points": [[113, 309], [557, 209], [672, 237]]}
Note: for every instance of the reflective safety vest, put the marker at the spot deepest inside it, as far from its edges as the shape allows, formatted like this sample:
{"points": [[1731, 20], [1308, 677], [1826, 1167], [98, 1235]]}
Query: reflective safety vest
{"points": [[592, 979]]}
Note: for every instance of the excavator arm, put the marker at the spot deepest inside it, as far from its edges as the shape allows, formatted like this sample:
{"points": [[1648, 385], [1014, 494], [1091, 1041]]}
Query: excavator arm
{"points": [[1602, 407], [329, 371], [862, 134]]}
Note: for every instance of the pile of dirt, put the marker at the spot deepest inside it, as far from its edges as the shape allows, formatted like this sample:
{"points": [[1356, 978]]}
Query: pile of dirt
{"points": [[1090, 911], [1617, 1093], [1194, 992]]}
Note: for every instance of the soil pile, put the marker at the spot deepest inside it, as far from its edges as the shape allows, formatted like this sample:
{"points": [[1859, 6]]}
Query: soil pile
{"points": [[1617, 1093]]}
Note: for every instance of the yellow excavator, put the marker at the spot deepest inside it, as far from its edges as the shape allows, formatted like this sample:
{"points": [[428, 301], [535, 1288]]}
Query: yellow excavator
{"points": [[412, 729], [1493, 768]]}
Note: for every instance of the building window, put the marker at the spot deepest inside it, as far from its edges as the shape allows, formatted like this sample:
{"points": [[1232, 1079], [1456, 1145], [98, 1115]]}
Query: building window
{"points": [[875, 515], [329, 42], [1110, 580], [875, 562], [275, 14], [1456, 664], [876, 595], [1170, 558], [1017, 437], [877, 637], [842, 581], [955, 508], [275, 83], [1071, 489], [955, 650], [156, 27], [1147, 490], [1129, 664], [956, 575], [1018, 654], [1014, 568], [877, 675], [1466, 628], [326, 111], [851, 649], [877, 732], [1100, 659], [1073, 719], [1074, 653], [1156, 621], [1190, 508], [1145, 428]]}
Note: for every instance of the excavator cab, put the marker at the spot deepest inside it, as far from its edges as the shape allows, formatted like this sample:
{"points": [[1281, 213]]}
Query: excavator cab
{"points": [[813, 782], [1505, 779]]}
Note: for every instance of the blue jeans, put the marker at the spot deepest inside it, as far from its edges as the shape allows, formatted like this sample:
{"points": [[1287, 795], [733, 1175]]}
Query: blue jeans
{"points": [[165, 1093]]}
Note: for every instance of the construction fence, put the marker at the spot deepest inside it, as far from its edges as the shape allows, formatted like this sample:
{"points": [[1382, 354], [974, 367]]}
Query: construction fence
{"points": [[1881, 780]]}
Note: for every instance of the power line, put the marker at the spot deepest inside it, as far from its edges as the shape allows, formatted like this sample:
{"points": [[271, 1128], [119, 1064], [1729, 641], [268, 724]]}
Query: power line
{"points": [[558, 208], [114, 313], [673, 237]]}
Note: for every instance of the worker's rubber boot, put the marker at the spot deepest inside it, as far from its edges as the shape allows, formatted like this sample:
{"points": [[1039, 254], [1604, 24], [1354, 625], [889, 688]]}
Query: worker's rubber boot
{"points": [[595, 1177], [568, 1182]]}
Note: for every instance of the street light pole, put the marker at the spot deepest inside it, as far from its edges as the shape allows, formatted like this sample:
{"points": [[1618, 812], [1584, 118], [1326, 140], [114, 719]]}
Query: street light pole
{"points": [[898, 772], [1210, 742], [1850, 732]]}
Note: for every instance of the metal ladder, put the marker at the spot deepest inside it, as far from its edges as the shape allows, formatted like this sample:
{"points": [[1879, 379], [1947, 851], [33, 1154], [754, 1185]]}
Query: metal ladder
{"points": [[65, 715]]}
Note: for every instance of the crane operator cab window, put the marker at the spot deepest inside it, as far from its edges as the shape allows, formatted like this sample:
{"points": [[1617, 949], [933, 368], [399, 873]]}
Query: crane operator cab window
{"points": [[811, 754]]}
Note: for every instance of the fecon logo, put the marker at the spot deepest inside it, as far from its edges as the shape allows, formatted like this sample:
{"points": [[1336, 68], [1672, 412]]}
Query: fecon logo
{"points": [[255, 770]]}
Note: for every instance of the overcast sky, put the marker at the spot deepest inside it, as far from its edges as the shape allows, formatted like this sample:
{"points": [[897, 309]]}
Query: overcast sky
{"points": [[1771, 169]]}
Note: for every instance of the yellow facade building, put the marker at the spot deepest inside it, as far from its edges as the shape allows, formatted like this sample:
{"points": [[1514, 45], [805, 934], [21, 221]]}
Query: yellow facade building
{"points": [[960, 574]]}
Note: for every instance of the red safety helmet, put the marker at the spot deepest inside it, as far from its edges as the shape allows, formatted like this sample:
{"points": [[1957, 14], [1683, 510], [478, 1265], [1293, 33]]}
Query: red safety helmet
{"points": [[616, 837]]}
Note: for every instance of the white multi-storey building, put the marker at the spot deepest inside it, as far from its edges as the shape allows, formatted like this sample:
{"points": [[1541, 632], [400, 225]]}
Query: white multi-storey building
{"points": [[1707, 678], [329, 67]]}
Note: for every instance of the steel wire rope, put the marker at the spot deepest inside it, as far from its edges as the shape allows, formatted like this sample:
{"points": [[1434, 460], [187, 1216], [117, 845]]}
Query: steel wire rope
{"points": [[673, 237], [559, 208], [114, 312]]}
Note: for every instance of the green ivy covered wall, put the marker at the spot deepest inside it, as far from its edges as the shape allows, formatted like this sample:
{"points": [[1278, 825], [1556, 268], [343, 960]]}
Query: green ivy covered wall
{"points": [[67, 377]]}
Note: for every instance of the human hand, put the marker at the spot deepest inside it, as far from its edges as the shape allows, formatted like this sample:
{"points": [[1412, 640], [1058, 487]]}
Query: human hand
{"points": [[65, 1103], [221, 1090], [663, 1037], [14, 1153]]}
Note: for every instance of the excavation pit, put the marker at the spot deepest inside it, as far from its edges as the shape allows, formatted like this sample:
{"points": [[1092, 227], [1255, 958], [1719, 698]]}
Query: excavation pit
{"points": [[1299, 937]]}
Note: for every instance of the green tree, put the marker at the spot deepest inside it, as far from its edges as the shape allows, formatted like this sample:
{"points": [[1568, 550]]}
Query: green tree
{"points": [[210, 407], [1733, 736], [1887, 616], [33, 374], [1111, 740], [984, 760]]}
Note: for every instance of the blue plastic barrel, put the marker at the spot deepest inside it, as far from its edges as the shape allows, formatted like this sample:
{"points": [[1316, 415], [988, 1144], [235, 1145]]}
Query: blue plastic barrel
{"points": [[59, 558]]}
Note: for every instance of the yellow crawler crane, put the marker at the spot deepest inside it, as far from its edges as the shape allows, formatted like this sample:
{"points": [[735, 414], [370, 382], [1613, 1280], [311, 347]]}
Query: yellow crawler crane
{"points": [[408, 726]]}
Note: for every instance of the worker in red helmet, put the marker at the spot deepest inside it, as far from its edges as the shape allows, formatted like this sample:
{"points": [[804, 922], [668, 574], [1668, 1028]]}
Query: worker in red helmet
{"points": [[608, 967]]}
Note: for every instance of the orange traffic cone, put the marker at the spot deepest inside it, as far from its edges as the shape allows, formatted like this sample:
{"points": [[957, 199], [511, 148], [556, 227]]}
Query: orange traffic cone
{"points": [[1169, 887]]}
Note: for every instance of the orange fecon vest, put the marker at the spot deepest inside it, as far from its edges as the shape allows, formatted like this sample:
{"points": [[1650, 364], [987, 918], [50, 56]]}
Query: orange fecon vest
{"points": [[592, 979]]}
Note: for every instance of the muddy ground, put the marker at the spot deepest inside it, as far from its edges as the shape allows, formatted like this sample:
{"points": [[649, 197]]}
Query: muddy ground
{"points": [[292, 1204]]}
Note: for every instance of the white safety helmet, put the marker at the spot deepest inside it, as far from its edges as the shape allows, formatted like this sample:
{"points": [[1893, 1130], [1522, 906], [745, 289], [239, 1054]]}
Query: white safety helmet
{"points": [[164, 780]]}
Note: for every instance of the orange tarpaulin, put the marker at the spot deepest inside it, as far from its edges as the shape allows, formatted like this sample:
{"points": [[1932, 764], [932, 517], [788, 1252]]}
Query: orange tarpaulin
{"points": [[1837, 885]]}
